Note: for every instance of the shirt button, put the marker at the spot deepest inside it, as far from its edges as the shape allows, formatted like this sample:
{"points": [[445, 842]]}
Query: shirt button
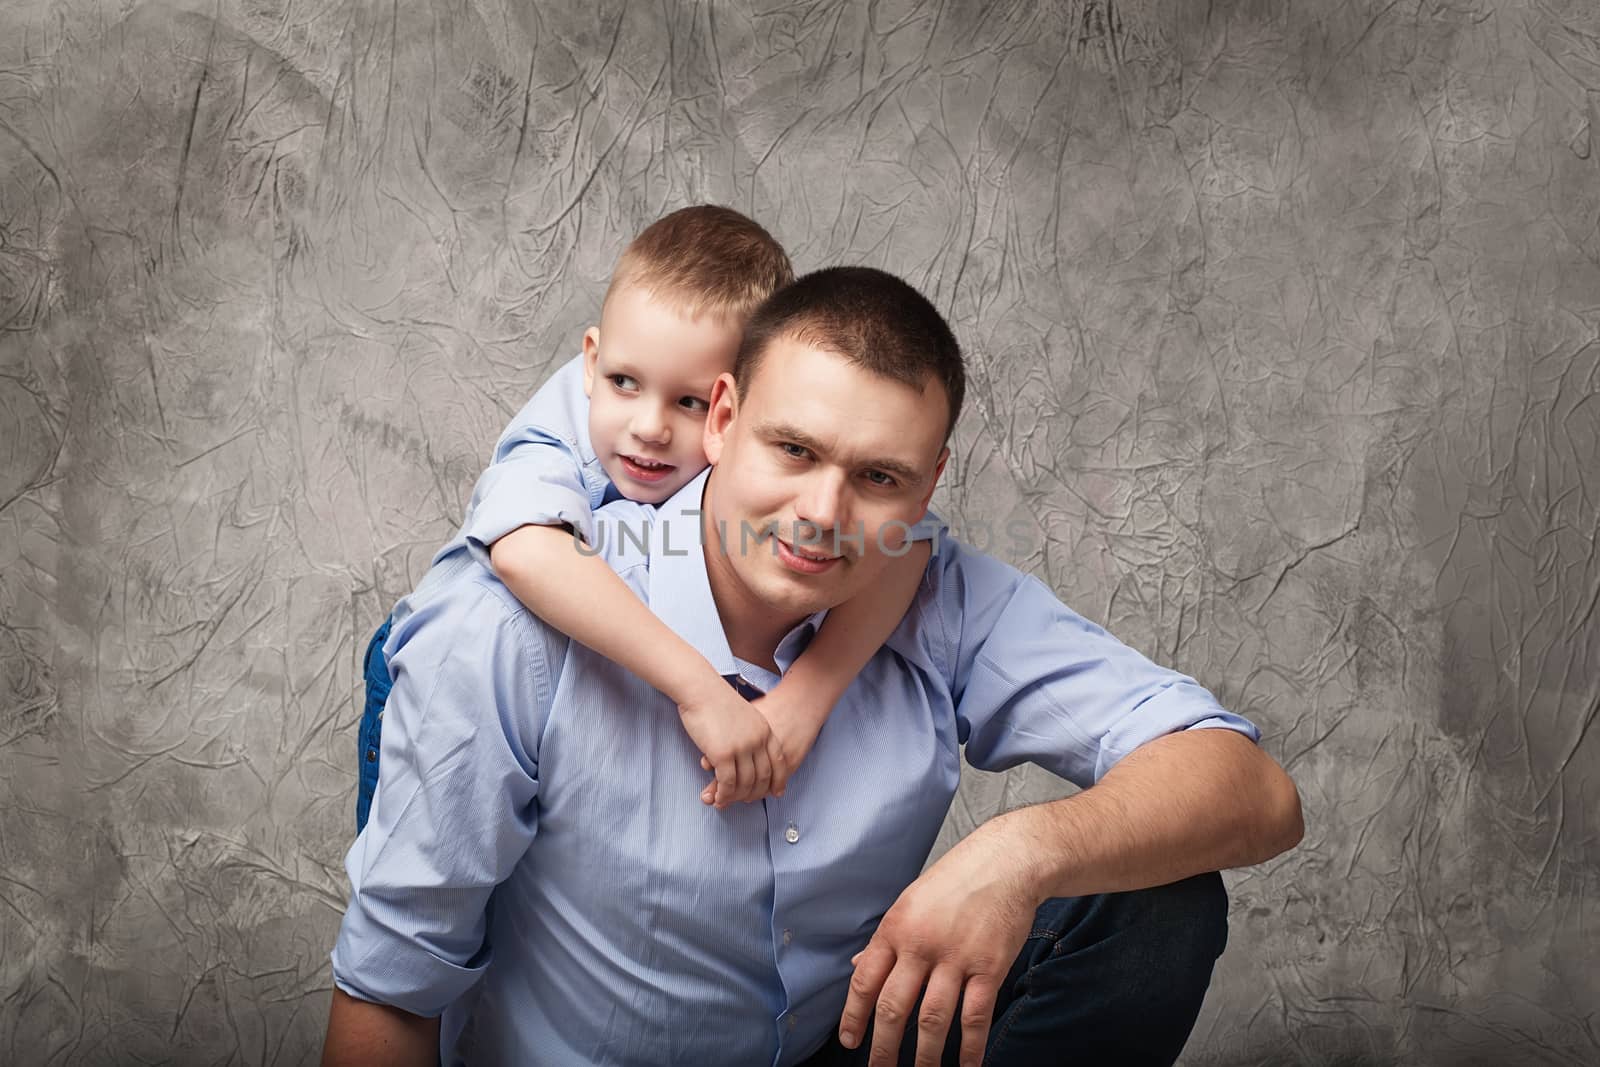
{"points": [[792, 834], [793, 1022], [788, 937]]}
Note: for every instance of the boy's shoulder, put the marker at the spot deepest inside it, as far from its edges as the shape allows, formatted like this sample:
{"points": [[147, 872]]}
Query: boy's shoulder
{"points": [[558, 406]]}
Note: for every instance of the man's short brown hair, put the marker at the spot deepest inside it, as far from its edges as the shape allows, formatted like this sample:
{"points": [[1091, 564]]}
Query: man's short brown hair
{"points": [[705, 260], [869, 317]]}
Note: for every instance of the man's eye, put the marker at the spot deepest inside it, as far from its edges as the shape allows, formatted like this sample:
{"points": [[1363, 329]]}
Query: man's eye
{"points": [[694, 404], [880, 478], [623, 381], [794, 451]]}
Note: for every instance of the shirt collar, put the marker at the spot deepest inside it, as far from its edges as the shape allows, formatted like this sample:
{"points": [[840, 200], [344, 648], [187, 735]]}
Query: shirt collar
{"points": [[680, 587]]}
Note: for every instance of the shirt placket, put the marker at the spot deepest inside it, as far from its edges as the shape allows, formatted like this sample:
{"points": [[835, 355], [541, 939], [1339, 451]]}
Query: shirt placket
{"points": [[783, 835]]}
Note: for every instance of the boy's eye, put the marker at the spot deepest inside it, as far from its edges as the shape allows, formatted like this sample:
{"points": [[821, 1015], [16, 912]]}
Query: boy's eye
{"points": [[879, 478], [794, 451], [623, 381], [694, 404]]}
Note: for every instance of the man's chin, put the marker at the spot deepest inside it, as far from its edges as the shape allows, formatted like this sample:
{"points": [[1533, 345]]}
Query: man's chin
{"points": [[797, 594]]}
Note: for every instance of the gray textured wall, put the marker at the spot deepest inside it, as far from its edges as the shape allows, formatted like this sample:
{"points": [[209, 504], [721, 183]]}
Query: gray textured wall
{"points": [[1283, 326]]}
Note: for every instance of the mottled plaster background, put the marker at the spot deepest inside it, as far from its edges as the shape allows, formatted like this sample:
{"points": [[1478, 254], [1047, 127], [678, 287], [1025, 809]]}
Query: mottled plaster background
{"points": [[1282, 321]]}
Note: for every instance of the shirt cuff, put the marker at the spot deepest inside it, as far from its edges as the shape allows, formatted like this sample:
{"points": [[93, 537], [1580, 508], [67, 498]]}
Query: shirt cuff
{"points": [[394, 970], [556, 506], [1180, 706]]}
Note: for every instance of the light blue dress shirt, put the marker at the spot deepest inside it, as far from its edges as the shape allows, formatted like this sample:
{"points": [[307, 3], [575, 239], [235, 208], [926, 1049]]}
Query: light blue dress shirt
{"points": [[539, 869]]}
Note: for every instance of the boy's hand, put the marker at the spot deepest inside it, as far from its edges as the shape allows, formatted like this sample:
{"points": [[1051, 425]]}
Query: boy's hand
{"points": [[737, 743], [794, 722]]}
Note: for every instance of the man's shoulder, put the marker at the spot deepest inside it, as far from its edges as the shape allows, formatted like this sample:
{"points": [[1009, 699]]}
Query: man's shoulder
{"points": [[958, 572], [472, 612], [964, 593]]}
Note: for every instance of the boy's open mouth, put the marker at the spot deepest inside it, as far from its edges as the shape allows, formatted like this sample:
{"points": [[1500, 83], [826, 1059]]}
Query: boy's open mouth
{"points": [[646, 470]]}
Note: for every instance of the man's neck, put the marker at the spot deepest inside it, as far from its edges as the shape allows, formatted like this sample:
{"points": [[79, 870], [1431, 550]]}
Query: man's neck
{"points": [[752, 628]]}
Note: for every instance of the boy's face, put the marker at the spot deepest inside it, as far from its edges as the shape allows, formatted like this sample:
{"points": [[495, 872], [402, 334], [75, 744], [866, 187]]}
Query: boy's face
{"points": [[648, 371]]}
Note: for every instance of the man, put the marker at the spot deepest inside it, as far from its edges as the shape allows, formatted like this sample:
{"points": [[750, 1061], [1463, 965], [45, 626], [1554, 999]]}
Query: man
{"points": [[539, 871]]}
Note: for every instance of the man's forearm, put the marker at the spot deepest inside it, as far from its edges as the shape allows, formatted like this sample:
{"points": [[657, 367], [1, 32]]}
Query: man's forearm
{"points": [[1199, 800], [361, 1033]]}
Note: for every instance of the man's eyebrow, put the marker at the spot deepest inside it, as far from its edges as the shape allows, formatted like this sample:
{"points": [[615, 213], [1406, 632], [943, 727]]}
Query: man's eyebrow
{"points": [[783, 431]]}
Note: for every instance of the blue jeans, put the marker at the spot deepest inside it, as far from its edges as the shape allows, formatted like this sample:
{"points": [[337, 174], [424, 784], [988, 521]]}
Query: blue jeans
{"points": [[1110, 979], [368, 739]]}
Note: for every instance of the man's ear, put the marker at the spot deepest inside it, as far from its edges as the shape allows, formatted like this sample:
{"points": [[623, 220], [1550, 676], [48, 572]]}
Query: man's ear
{"points": [[933, 483], [724, 409], [591, 352]]}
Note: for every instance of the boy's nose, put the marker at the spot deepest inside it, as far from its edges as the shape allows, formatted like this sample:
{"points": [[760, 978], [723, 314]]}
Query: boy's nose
{"points": [[651, 428]]}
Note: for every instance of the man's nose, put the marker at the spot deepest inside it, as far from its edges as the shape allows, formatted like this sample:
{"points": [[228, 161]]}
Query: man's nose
{"points": [[822, 504], [651, 426]]}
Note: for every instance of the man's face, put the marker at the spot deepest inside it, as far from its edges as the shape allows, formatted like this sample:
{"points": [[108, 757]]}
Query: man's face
{"points": [[648, 371], [820, 468]]}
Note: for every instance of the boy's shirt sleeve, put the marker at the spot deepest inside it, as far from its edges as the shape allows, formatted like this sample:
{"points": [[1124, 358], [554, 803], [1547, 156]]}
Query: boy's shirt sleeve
{"points": [[544, 471], [1035, 682]]}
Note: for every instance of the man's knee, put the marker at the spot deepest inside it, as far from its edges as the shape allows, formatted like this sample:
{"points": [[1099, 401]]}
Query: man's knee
{"points": [[1130, 968]]}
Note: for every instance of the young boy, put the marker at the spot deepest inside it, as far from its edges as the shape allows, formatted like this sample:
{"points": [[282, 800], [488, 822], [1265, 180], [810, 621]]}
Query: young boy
{"points": [[625, 420]]}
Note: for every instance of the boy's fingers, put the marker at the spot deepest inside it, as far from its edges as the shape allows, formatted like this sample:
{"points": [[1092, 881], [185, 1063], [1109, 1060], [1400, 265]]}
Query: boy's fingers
{"points": [[747, 776], [780, 767], [763, 779], [727, 782]]}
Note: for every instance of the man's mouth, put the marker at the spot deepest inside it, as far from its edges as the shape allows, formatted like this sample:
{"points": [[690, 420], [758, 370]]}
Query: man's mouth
{"points": [[643, 469], [804, 560]]}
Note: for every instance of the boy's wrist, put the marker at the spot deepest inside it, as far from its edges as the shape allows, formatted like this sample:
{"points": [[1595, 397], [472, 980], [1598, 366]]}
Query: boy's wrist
{"points": [[809, 693], [694, 685]]}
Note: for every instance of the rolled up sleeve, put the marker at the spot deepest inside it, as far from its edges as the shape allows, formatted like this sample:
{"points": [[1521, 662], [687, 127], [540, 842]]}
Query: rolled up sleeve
{"points": [[1036, 682], [544, 471], [542, 484], [456, 808]]}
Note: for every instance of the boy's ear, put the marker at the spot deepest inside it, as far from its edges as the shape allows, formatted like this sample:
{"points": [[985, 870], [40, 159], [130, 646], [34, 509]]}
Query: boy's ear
{"points": [[724, 409], [591, 352]]}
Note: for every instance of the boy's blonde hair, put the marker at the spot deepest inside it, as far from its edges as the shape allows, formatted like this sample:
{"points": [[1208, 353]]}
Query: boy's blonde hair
{"points": [[705, 260]]}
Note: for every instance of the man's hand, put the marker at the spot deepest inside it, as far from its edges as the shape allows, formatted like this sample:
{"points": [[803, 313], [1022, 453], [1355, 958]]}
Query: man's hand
{"points": [[956, 931], [736, 743]]}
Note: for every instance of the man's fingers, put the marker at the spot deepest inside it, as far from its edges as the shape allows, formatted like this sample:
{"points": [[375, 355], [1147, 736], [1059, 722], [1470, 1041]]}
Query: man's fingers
{"points": [[896, 1003], [872, 966], [938, 1009], [977, 1011]]}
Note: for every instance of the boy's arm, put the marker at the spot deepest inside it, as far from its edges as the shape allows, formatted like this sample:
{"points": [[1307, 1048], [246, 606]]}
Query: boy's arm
{"points": [[579, 594], [850, 636]]}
